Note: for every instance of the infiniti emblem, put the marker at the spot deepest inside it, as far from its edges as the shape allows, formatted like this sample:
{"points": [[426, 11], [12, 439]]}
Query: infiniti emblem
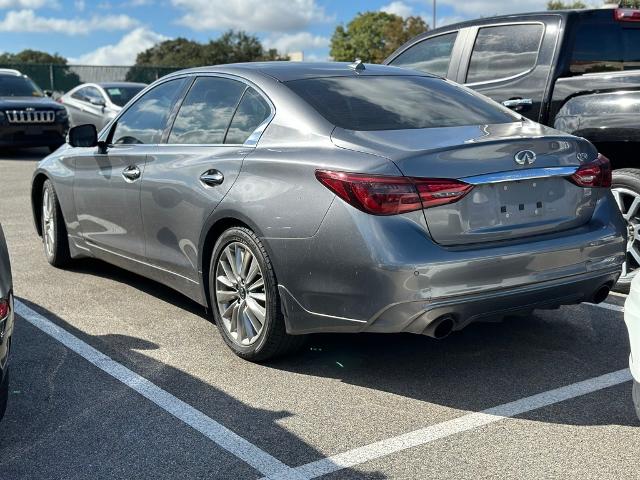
{"points": [[525, 157]]}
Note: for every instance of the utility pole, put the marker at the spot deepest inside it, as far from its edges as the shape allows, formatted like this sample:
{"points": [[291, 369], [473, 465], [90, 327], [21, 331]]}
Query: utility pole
{"points": [[434, 15]]}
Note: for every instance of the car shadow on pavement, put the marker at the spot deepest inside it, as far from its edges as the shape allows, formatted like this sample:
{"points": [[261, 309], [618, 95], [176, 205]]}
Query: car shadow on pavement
{"points": [[488, 364], [259, 426], [24, 154]]}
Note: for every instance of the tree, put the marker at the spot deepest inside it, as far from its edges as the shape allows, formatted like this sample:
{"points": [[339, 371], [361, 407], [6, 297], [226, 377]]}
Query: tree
{"points": [[48, 71], [373, 36], [559, 5]]}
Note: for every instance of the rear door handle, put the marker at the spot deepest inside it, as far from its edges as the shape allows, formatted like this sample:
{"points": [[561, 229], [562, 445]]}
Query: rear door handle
{"points": [[212, 178], [131, 173], [518, 103]]}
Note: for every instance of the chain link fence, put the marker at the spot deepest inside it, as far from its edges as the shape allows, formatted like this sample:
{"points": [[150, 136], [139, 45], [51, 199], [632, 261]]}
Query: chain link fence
{"points": [[62, 78]]}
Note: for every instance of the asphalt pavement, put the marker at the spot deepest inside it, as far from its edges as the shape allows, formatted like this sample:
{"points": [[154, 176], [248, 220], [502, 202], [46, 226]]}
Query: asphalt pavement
{"points": [[115, 376]]}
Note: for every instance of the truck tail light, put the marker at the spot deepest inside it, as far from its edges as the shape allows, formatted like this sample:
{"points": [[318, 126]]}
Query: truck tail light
{"points": [[382, 195], [594, 174], [626, 15]]}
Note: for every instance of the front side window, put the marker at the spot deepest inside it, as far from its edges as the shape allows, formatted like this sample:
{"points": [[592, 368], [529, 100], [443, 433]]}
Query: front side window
{"points": [[92, 93], [145, 120], [430, 56], [206, 112], [504, 51], [397, 102]]}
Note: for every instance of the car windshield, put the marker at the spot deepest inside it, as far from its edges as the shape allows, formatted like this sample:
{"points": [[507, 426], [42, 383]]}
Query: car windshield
{"points": [[122, 94], [14, 86], [398, 103]]}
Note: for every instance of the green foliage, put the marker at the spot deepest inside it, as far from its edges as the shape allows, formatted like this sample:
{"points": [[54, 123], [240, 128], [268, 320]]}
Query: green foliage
{"points": [[48, 71], [630, 3], [373, 36], [559, 5]]}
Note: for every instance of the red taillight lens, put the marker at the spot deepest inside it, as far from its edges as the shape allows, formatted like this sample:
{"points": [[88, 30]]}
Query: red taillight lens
{"points": [[381, 195], [626, 15], [4, 308], [594, 174]]}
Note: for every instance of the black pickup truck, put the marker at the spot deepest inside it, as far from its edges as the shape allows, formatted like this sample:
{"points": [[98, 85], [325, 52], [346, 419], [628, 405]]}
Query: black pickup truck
{"points": [[575, 70]]}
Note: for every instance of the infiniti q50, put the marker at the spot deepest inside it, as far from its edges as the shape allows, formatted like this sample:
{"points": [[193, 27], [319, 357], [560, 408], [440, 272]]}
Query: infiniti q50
{"points": [[292, 198]]}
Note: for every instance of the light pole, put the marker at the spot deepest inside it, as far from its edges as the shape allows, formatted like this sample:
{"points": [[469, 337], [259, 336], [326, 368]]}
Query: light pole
{"points": [[434, 15]]}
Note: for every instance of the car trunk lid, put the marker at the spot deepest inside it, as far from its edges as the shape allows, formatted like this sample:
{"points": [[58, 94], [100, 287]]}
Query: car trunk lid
{"points": [[519, 172]]}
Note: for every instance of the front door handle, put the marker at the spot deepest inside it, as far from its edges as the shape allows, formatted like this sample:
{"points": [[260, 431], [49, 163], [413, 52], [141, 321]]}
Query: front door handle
{"points": [[131, 173], [212, 178]]}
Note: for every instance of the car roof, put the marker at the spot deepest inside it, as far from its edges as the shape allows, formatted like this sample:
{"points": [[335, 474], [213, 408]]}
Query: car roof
{"points": [[120, 84], [287, 71]]}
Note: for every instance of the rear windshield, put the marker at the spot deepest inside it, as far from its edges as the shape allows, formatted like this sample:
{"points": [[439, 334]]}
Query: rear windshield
{"points": [[605, 46], [121, 95], [397, 103], [14, 86]]}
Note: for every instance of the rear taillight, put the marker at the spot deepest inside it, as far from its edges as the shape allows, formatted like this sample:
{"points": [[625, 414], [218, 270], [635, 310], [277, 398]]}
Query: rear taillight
{"points": [[380, 195], [4, 308], [594, 174], [626, 15]]}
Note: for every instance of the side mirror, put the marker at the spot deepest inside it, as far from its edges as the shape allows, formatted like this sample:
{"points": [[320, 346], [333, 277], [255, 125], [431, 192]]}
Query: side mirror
{"points": [[83, 136], [97, 102], [48, 93]]}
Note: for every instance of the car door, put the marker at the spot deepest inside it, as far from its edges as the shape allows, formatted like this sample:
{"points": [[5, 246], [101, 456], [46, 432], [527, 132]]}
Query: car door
{"points": [[107, 180], [510, 63], [188, 177], [75, 104]]}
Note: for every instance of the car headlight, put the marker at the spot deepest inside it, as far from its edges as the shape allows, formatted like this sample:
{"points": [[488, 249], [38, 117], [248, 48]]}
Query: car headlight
{"points": [[61, 115]]}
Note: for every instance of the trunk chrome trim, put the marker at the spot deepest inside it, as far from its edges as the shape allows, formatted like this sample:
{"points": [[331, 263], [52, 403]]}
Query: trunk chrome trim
{"points": [[515, 175]]}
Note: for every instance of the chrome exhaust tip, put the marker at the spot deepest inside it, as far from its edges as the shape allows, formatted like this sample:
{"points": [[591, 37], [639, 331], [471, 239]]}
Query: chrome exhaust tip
{"points": [[440, 328]]}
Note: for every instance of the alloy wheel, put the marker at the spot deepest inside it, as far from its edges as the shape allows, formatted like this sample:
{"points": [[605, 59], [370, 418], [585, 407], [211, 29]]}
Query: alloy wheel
{"points": [[240, 294], [629, 203], [48, 222]]}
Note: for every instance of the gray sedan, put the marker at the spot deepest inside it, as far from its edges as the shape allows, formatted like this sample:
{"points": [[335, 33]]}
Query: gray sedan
{"points": [[98, 103], [297, 198]]}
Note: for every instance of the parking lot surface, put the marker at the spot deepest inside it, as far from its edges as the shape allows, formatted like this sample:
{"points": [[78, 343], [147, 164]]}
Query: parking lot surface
{"points": [[115, 376]]}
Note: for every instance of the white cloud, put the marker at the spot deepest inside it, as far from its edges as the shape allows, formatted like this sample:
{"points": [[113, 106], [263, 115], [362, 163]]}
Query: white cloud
{"points": [[27, 3], [486, 8], [28, 21], [79, 5], [296, 42], [250, 15], [398, 8], [124, 52]]}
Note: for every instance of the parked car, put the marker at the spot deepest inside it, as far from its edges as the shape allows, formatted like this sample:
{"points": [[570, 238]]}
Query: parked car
{"points": [[6, 321], [577, 71], [29, 118], [98, 103], [296, 198], [632, 320]]}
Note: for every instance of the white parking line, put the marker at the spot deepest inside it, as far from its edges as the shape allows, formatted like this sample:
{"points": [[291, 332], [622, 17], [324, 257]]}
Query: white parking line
{"points": [[618, 294], [451, 427], [607, 306], [225, 438]]}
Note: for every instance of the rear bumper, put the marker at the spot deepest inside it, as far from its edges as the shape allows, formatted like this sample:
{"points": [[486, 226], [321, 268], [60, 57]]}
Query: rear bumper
{"points": [[386, 274]]}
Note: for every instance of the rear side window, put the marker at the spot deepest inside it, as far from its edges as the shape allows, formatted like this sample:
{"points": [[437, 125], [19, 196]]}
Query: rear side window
{"points": [[206, 113], [431, 56], [397, 103], [252, 111], [145, 121], [605, 47], [504, 51]]}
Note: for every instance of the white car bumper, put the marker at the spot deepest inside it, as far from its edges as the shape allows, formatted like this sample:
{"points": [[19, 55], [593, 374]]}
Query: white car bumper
{"points": [[632, 319]]}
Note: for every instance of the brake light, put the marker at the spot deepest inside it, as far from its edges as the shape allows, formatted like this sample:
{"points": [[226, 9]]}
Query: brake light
{"points": [[381, 195], [626, 15], [4, 308], [594, 174]]}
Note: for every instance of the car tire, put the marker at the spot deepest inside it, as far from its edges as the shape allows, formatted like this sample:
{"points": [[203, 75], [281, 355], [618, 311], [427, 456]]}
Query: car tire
{"points": [[54, 232], [4, 394], [626, 188], [635, 394], [242, 286]]}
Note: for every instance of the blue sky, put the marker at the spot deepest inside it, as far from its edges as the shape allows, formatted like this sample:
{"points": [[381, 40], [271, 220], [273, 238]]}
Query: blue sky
{"points": [[112, 32]]}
